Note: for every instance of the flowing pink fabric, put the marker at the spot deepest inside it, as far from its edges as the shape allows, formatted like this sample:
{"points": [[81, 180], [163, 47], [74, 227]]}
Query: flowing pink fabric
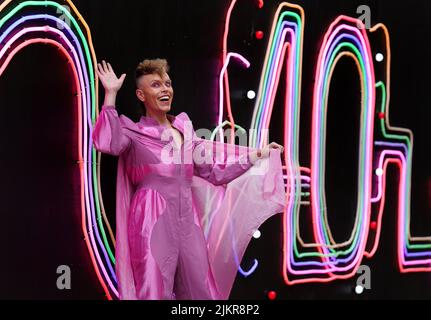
{"points": [[183, 227]]}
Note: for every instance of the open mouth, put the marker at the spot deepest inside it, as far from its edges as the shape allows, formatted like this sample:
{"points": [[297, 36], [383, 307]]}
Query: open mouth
{"points": [[165, 98]]}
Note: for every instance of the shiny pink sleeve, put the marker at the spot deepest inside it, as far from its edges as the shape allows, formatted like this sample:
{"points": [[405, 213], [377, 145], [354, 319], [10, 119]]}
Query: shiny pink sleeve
{"points": [[108, 134], [226, 162]]}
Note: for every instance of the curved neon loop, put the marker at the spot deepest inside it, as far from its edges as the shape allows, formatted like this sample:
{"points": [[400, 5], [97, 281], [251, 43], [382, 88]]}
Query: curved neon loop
{"points": [[223, 71], [48, 29], [325, 259], [88, 168], [58, 45]]}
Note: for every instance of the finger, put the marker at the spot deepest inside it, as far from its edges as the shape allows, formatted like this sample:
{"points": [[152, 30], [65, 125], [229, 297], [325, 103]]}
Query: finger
{"points": [[123, 76], [110, 68], [102, 72], [105, 67], [277, 146], [99, 68]]}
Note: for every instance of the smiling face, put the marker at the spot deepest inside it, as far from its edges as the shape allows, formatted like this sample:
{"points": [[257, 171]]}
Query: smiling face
{"points": [[156, 92]]}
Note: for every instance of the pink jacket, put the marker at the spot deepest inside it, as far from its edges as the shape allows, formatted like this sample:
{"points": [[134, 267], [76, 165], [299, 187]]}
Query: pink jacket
{"points": [[228, 199]]}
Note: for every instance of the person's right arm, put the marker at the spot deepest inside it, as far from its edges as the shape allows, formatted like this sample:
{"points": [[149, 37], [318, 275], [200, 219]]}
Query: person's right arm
{"points": [[108, 134]]}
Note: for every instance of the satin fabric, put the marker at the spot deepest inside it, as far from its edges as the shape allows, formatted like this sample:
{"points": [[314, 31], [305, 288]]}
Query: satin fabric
{"points": [[183, 224]]}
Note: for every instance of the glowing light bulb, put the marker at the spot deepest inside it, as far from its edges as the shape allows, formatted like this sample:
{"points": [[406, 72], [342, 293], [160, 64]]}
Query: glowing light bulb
{"points": [[379, 57], [272, 295], [259, 35], [359, 289], [257, 234], [251, 94]]}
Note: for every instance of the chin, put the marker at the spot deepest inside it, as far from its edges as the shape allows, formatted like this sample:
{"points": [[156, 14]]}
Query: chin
{"points": [[165, 109]]}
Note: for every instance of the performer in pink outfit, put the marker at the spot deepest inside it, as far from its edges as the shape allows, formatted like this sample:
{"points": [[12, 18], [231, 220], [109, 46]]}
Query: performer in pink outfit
{"points": [[183, 224]]}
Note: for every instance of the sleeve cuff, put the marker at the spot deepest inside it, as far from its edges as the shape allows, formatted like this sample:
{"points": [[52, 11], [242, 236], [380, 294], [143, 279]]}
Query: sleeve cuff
{"points": [[108, 107]]}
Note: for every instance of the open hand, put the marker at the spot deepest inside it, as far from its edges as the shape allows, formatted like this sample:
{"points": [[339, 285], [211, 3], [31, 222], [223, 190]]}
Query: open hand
{"points": [[107, 76]]}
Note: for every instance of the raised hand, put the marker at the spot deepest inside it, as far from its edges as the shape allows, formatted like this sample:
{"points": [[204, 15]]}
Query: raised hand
{"points": [[107, 76]]}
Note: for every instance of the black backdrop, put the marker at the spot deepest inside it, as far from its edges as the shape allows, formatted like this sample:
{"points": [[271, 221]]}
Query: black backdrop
{"points": [[40, 180]]}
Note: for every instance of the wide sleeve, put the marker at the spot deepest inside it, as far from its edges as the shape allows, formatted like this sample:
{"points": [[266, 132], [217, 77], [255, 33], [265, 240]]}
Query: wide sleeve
{"points": [[109, 134], [219, 163], [230, 214]]}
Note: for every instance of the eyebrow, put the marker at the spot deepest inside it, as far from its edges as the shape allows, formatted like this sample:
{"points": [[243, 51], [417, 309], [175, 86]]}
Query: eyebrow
{"points": [[154, 81]]}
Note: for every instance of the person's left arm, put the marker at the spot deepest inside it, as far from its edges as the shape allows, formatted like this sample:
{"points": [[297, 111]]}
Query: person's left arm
{"points": [[233, 163]]}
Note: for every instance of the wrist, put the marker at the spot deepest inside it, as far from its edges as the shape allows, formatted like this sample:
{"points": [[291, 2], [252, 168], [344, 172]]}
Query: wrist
{"points": [[110, 98], [255, 155], [111, 92], [259, 153]]}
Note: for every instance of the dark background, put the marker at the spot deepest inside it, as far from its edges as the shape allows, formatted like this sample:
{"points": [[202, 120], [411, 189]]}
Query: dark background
{"points": [[40, 180]]}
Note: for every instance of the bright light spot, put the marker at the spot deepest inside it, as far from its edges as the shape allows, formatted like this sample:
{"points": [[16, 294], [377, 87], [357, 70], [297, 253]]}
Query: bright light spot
{"points": [[272, 295], [379, 172], [251, 94], [379, 57], [359, 289], [257, 234]]}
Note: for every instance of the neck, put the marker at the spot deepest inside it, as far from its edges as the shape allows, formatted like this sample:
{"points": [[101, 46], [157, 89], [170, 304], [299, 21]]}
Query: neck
{"points": [[161, 117]]}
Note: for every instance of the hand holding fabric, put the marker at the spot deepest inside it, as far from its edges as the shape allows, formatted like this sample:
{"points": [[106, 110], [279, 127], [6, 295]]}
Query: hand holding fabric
{"points": [[264, 153]]}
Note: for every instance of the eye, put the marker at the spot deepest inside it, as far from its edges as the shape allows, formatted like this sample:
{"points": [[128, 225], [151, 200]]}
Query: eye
{"points": [[168, 83], [155, 84]]}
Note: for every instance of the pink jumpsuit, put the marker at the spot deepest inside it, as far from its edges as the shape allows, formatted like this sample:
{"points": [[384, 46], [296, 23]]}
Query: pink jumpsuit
{"points": [[167, 236]]}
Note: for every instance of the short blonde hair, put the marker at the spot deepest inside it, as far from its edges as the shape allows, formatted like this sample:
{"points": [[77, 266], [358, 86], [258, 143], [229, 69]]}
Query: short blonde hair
{"points": [[151, 66]]}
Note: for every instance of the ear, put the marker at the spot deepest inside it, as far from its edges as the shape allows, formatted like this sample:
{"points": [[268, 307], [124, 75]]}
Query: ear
{"points": [[140, 95]]}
